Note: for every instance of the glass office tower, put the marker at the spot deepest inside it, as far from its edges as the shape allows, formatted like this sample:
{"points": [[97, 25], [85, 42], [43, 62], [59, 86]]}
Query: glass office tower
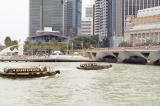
{"points": [[72, 17], [45, 13]]}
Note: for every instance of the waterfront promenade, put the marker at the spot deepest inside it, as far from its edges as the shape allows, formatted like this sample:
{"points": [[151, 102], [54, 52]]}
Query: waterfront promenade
{"points": [[139, 54], [52, 58]]}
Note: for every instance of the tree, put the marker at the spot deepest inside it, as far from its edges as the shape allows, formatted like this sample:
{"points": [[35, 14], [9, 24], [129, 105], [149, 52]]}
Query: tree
{"points": [[46, 46], [125, 44], [105, 42], [27, 45], [15, 42], [83, 42], [8, 41]]}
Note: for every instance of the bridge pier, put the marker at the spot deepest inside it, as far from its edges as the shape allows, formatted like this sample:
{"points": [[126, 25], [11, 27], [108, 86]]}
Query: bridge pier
{"points": [[154, 58]]}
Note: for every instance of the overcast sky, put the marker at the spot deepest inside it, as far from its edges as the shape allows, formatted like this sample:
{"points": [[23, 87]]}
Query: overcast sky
{"points": [[14, 17]]}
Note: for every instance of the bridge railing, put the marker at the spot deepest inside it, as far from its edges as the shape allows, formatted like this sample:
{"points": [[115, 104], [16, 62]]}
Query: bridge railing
{"points": [[128, 48]]}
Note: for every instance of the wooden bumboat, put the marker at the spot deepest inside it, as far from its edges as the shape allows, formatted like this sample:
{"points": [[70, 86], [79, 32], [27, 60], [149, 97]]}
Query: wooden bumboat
{"points": [[28, 72], [93, 66]]}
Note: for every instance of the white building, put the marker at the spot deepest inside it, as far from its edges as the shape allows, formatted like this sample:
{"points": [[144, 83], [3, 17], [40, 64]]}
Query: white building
{"points": [[87, 22], [145, 27], [97, 16], [87, 26]]}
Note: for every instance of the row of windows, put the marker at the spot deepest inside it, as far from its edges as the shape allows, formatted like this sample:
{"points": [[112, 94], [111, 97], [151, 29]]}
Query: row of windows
{"points": [[132, 6]]}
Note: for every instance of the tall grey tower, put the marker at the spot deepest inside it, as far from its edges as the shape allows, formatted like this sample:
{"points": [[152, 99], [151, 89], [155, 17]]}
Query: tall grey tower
{"points": [[45, 13], [72, 17], [103, 22]]}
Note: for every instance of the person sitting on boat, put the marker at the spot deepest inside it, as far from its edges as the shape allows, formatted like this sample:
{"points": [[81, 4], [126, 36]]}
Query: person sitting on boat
{"points": [[82, 65], [40, 67], [45, 68], [110, 65]]}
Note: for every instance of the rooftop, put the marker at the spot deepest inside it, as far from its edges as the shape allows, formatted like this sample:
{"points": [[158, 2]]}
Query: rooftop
{"points": [[154, 11]]}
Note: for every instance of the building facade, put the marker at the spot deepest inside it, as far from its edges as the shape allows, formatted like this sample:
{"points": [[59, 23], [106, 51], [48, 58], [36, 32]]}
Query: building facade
{"points": [[102, 18], [89, 11], [45, 13], [46, 36], [77, 14], [112, 16], [145, 28], [72, 17], [87, 26], [131, 7], [68, 18], [97, 16]]}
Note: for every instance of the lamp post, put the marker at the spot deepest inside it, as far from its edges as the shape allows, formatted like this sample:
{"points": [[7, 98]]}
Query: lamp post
{"points": [[68, 45]]}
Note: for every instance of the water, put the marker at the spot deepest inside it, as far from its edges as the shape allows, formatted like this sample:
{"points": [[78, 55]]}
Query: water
{"points": [[122, 85]]}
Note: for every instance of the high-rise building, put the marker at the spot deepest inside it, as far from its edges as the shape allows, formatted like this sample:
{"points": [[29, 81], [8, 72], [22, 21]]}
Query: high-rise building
{"points": [[103, 19], [89, 11], [97, 16], [144, 28], [131, 7], [45, 13], [72, 17], [87, 26], [111, 16], [68, 18], [87, 22], [123, 11]]}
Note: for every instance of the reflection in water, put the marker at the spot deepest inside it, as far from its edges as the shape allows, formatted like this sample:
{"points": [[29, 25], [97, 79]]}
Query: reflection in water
{"points": [[122, 85]]}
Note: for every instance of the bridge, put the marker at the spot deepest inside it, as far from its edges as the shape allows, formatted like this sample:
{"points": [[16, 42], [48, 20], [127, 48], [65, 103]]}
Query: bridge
{"points": [[138, 55]]}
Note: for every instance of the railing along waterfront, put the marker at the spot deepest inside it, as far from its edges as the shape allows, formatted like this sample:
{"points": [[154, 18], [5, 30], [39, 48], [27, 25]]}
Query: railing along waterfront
{"points": [[126, 48]]}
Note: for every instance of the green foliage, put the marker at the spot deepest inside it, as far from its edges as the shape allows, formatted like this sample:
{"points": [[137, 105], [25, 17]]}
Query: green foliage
{"points": [[125, 44], [150, 43], [83, 42], [48, 46], [8, 41], [105, 42], [27, 45], [15, 42]]}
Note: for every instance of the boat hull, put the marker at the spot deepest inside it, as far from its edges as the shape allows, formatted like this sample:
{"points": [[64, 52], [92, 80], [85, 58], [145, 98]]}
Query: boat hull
{"points": [[2, 74], [93, 68]]}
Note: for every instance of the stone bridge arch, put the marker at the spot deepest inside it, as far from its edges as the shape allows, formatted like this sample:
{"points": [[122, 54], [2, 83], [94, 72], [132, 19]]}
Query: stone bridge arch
{"points": [[110, 57], [133, 57]]}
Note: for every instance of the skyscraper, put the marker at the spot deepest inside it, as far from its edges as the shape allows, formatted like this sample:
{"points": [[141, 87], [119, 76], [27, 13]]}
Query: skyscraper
{"points": [[111, 16], [102, 18], [72, 17], [97, 16], [45, 13], [87, 21], [89, 11]]}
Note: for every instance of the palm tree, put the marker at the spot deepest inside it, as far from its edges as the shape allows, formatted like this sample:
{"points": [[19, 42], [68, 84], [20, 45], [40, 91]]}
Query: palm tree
{"points": [[8, 41]]}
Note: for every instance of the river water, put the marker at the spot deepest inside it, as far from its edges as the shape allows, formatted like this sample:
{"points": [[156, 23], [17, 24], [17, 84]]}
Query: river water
{"points": [[122, 85]]}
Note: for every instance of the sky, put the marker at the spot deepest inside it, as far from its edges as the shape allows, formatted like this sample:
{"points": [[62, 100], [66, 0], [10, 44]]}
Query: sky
{"points": [[14, 18]]}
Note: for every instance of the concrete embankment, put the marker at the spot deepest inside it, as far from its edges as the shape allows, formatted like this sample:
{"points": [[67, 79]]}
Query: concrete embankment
{"points": [[59, 58]]}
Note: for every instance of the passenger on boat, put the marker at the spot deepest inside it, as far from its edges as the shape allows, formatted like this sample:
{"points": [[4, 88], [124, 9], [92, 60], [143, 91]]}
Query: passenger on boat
{"points": [[40, 67], [82, 65], [45, 68], [110, 65]]}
